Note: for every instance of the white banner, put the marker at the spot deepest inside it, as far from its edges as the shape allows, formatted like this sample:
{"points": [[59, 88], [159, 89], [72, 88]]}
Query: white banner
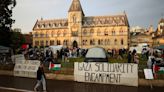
{"points": [[107, 73], [27, 68]]}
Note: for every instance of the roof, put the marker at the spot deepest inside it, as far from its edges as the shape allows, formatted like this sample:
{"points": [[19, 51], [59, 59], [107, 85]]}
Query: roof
{"points": [[76, 6], [54, 23], [113, 20], [162, 20]]}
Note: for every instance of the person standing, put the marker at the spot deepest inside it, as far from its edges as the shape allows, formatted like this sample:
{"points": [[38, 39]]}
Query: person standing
{"points": [[129, 57], [136, 58], [40, 79]]}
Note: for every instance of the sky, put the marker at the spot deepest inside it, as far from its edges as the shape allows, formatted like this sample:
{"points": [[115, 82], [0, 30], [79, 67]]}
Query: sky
{"points": [[139, 12]]}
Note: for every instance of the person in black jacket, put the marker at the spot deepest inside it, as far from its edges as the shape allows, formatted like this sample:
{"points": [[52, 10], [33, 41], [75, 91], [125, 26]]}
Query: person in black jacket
{"points": [[40, 78]]}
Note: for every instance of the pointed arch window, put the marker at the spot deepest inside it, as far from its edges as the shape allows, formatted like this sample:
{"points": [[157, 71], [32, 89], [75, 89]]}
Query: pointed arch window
{"points": [[122, 42], [85, 32], [98, 32], [115, 42], [91, 32], [105, 32]]}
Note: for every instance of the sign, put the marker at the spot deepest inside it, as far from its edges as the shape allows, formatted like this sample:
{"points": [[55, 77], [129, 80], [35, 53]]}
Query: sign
{"points": [[106, 73], [17, 58], [26, 68], [148, 74]]}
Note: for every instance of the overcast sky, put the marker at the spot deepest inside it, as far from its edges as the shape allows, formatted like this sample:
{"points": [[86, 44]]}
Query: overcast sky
{"points": [[140, 12]]}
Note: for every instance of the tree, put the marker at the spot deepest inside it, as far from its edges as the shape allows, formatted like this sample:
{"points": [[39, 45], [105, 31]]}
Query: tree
{"points": [[6, 21], [17, 39]]}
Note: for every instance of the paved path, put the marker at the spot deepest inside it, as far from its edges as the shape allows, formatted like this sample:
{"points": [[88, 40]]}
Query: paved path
{"points": [[19, 84]]}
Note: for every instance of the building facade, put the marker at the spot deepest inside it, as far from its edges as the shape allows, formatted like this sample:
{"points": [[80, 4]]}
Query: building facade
{"points": [[140, 35], [83, 31], [159, 33]]}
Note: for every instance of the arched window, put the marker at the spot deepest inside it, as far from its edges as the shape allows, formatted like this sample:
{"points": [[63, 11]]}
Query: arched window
{"points": [[98, 32], [91, 43], [105, 32], [121, 31], [58, 42], [113, 32], [52, 42], [108, 42], [122, 42], [102, 42], [115, 42], [65, 33], [52, 33], [36, 43], [99, 42], [46, 33], [58, 33], [41, 34], [42, 43], [83, 42], [47, 43], [74, 19], [91, 32], [85, 32]]}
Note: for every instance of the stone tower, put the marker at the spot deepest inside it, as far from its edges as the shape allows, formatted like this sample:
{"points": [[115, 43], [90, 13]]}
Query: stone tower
{"points": [[75, 18]]}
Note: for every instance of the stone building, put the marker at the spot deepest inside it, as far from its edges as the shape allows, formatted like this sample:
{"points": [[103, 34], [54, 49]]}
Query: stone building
{"points": [[141, 35], [78, 30], [159, 33]]}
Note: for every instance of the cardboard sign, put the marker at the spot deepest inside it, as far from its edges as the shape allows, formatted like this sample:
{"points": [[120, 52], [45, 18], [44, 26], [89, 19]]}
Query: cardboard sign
{"points": [[148, 74], [27, 68], [106, 73]]}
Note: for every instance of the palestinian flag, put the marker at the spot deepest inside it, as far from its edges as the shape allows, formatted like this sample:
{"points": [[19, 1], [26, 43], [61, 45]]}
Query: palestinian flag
{"points": [[158, 69], [54, 67]]}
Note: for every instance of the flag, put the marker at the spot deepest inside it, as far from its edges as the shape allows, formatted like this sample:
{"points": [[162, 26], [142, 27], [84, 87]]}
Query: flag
{"points": [[158, 69], [54, 66]]}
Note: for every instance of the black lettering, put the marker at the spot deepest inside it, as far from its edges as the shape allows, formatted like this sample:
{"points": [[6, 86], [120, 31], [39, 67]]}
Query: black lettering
{"points": [[87, 75], [98, 67], [85, 67]]}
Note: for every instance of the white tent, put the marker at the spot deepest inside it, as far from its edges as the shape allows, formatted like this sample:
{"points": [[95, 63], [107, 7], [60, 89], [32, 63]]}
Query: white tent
{"points": [[96, 52]]}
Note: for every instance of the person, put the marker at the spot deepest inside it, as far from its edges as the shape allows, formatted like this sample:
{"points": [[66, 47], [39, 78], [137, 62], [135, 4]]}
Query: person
{"points": [[40, 78], [151, 61], [129, 57], [136, 58], [48, 55]]}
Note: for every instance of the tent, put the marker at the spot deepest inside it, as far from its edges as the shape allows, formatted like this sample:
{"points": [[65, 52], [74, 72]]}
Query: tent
{"points": [[96, 54], [4, 49]]}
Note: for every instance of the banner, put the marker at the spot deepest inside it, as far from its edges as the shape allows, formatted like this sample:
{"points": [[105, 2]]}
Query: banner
{"points": [[106, 73], [26, 68]]}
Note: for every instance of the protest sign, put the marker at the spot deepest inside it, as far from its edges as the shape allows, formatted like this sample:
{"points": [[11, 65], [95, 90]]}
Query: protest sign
{"points": [[148, 74], [106, 73], [27, 68]]}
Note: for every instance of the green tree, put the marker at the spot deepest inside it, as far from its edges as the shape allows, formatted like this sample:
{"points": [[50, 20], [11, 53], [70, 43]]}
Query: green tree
{"points": [[6, 21], [17, 39]]}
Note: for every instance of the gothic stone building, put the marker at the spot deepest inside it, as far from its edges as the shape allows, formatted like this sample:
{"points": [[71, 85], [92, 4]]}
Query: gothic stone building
{"points": [[83, 31]]}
